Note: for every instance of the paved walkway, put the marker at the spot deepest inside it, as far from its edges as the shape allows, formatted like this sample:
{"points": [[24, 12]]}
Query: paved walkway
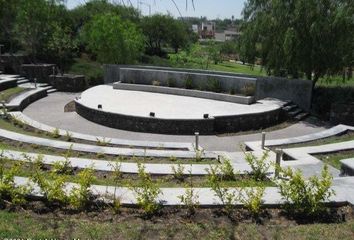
{"points": [[343, 187], [125, 167], [50, 111]]}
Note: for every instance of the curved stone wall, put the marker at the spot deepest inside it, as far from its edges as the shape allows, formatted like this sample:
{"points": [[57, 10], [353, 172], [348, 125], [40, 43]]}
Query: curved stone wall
{"points": [[210, 126]]}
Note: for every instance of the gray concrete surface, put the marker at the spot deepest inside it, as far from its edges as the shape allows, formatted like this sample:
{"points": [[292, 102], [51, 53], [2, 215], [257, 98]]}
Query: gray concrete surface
{"points": [[50, 111]]}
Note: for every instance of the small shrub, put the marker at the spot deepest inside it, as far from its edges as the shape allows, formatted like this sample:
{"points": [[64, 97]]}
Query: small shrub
{"points": [[199, 154], [188, 83], [214, 85], [55, 133], [173, 159], [306, 196], [259, 166], [190, 199], [248, 89], [102, 141], [51, 185], [171, 82], [63, 167], [9, 191], [227, 170], [147, 192], [68, 136], [156, 83], [226, 196], [178, 172], [251, 198], [81, 195]]}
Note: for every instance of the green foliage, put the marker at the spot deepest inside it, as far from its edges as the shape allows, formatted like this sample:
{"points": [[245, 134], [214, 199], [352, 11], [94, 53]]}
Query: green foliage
{"points": [[81, 195], [178, 172], [51, 185], [188, 82], [248, 89], [171, 82], [199, 154], [313, 37], [113, 40], [9, 191], [226, 195], [102, 141], [63, 167], [147, 192], [259, 166], [190, 200], [55, 133], [251, 198], [306, 196], [214, 85], [68, 136], [227, 170]]}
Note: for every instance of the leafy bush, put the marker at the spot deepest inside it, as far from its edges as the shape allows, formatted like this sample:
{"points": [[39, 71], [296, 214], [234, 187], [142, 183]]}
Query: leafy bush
{"points": [[226, 195], [51, 185], [190, 200], [188, 83], [81, 195], [306, 196], [251, 198], [55, 133], [68, 136], [102, 141], [259, 166], [9, 191], [227, 170], [214, 85], [178, 172], [248, 89], [147, 192], [62, 167]]}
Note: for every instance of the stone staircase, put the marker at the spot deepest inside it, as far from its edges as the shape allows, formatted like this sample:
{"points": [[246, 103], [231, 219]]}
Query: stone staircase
{"points": [[24, 82], [294, 112]]}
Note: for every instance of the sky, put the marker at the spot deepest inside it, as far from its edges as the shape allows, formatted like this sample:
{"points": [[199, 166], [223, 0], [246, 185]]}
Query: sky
{"points": [[211, 9]]}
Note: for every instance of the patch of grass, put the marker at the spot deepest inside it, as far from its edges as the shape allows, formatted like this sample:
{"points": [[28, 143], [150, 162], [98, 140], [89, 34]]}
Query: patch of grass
{"points": [[333, 159], [335, 81], [25, 225], [349, 136], [7, 94]]}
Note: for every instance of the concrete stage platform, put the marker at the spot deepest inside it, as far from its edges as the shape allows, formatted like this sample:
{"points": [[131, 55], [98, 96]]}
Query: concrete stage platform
{"points": [[130, 110]]}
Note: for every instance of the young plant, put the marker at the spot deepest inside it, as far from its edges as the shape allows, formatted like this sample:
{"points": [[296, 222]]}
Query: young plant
{"points": [[178, 172], [147, 192], [81, 195], [306, 196], [9, 191], [227, 170], [199, 154], [68, 136], [188, 83], [226, 196], [260, 166], [63, 167], [51, 185], [55, 133], [251, 198], [103, 141], [190, 198]]}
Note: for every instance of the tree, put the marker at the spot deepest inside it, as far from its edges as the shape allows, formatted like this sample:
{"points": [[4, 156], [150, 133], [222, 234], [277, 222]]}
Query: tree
{"points": [[294, 37], [113, 40], [61, 45]]}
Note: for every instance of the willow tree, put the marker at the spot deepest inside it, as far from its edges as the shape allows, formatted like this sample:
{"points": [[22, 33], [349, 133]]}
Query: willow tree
{"points": [[294, 37]]}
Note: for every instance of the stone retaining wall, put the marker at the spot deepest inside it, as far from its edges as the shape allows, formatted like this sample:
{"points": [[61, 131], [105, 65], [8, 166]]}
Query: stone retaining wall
{"points": [[68, 82], [295, 90], [8, 84], [342, 113], [210, 126], [185, 92], [39, 71]]}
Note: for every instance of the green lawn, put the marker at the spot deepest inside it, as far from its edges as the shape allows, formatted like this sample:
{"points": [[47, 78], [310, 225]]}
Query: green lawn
{"points": [[7, 94], [26, 225], [238, 68], [334, 158]]}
